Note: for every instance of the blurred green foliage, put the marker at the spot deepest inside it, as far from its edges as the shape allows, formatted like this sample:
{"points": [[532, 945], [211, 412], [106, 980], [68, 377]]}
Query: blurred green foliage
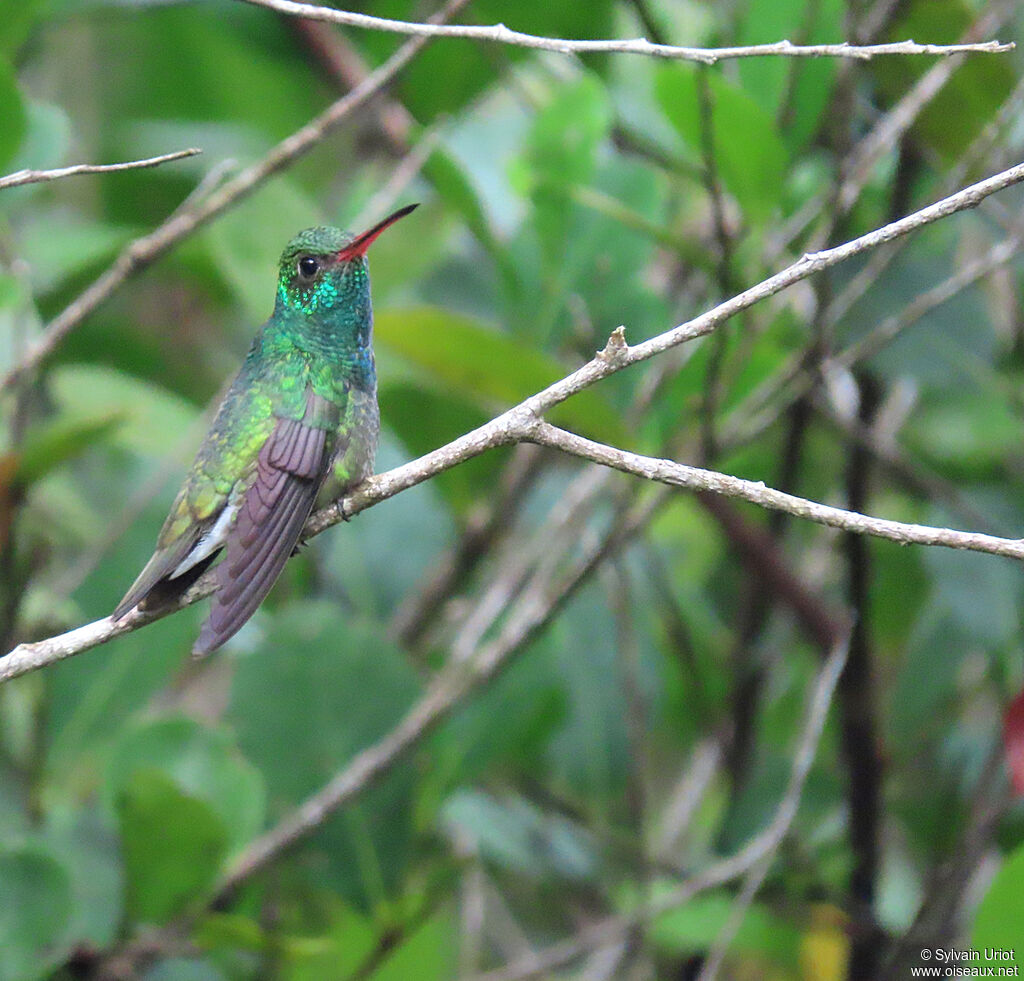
{"points": [[563, 197]]}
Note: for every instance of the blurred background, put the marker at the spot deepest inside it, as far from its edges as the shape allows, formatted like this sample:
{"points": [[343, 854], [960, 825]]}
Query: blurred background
{"points": [[657, 648]]}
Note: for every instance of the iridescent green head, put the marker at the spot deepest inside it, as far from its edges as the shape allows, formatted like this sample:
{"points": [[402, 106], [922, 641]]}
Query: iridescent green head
{"points": [[323, 270]]}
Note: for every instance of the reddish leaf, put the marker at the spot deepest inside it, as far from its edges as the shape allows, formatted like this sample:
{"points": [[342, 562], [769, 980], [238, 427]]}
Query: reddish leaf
{"points": [[1013, 741]]}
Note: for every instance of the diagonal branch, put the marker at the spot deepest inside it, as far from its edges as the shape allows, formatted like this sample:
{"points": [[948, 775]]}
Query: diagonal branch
{"points": [[522, 423], [755, 491], [140, 253], [748, 861], [20, 177], [543, 597], [500, 34]]}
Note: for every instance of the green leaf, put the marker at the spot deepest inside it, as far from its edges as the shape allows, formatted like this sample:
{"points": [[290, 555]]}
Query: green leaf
{"points": [[376, 561], [792, 90], [16, 23], [319, 689], [52, 445], [406, 254], [590, 751], [470, 745], [226, 931], [173, 846], [458, 192], [427, 954], [957, 580], [424, 419], [749, 154], [183, 969], [12, 115], [43, 146], [926, 688], [202, 762], [246, 242], [177, 62], [300, 703], [969, 429], [693, 927], [468, 67], [149, 413], [517, 835], [493, 369], [456, 189], [35, 907], [973, 95], [90, 698], [85, 840], [338, 952], [82, 247], [560, 153], [997, 923]]}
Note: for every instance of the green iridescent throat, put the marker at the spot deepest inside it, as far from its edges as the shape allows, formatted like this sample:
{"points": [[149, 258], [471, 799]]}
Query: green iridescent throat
{"points": [[330, 317]]}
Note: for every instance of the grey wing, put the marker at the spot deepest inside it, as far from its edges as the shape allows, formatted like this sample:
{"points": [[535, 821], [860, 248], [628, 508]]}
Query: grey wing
{"points": [[159, 568], [271, 513]]}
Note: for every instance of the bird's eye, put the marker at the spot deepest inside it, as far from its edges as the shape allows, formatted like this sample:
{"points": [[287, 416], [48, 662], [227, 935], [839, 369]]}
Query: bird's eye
{"points": [[308, 267]]}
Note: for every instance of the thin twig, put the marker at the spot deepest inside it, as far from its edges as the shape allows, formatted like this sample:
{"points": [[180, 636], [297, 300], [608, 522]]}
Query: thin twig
{"points": [[946, 890], [538, 603], [20, 177], [758, 850], [976, 152], [500, 34], [712, 387], [884, 136], [521, 423], [486, 527], [694, 478], [817, 713], [401, 177], [345, 66], [901, 117], [143, 251], [859, 164], [913, 475], [523, 560], [756, 412], [685, 797]]}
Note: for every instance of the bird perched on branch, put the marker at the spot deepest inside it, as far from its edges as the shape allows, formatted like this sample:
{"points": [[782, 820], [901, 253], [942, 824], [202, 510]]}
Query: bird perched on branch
{"points": [[301, 413]]}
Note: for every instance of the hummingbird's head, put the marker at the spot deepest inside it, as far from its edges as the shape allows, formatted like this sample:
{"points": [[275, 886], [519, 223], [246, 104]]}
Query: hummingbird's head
{"points": [[324, 270]]}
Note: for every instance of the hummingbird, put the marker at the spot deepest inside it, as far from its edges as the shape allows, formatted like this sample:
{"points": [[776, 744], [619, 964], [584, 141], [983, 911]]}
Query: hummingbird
{"points": [[300, 417]]}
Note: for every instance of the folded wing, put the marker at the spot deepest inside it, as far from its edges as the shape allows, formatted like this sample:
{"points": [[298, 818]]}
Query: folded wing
{"points": [[289, 471]]}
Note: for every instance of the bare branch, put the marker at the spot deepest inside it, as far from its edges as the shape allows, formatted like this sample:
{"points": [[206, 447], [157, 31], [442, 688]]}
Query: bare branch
{"points": [[760, 409], [486, 528], [522, 423], [539, 601], [768, 841], [755, 491], [542, 598], [500, 34], [20, 177], [143, 251], [862, 159], [758, 852]]}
